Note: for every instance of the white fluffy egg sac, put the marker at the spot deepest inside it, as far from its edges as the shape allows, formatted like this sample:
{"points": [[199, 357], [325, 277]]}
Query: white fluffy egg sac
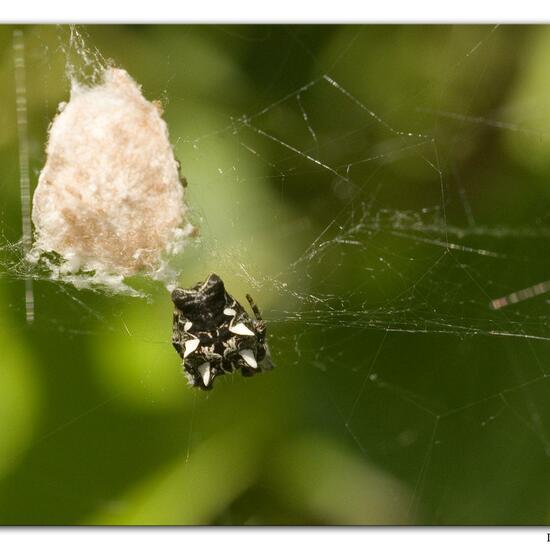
{"points": [[109, 199]]}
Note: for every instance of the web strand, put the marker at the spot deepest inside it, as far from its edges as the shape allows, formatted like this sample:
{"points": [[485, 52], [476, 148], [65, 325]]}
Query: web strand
{"points": [[24, 170]]}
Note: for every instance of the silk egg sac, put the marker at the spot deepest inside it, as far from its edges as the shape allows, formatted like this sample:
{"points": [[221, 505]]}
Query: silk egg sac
{"points": [[109, 199]]}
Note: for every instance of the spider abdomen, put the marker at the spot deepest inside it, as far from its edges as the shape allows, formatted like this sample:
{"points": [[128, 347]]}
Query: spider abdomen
{"points": [[214, 335]]}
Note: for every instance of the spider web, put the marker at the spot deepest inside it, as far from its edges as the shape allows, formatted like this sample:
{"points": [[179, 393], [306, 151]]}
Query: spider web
{"points": [[377, 244]]}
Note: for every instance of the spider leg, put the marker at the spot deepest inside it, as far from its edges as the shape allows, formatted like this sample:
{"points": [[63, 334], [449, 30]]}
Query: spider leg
{"points": [[254, 307]]}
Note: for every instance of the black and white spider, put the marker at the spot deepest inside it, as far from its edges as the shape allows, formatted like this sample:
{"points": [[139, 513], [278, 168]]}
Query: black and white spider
{"points": [[214, 335]]}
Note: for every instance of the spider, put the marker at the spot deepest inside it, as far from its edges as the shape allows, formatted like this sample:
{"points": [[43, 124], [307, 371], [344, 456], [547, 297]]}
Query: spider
{"points": [[214, 335]]}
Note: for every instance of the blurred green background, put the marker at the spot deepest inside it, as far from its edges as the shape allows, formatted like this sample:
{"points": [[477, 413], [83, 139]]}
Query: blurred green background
{"points": [[373, 188]]}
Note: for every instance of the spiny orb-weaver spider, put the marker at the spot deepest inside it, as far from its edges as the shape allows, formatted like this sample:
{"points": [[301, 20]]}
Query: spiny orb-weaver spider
{"points": [[214, 335]]}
